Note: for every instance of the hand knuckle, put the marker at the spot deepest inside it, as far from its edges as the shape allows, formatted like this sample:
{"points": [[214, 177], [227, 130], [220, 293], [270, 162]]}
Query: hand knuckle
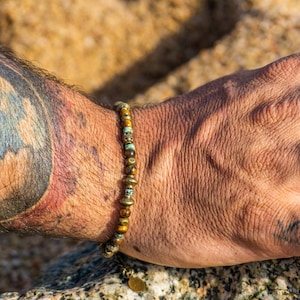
{"points": [[282, 69]]}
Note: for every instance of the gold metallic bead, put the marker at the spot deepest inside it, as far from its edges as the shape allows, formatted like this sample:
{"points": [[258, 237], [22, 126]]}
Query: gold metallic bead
{"points": [[129, 187], [127, 201], [107, 254], [130, 161], [121, 105], [129, 180], [128, 138], [109, 249], [123, 221]]}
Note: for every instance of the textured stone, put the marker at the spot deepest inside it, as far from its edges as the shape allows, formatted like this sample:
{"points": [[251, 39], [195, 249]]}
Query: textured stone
{"points": [[98, 42], [266, 31], [84, 274]]}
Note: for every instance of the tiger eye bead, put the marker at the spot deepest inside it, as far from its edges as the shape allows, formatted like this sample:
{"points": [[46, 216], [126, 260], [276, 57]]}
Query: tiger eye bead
{"points": [[122, 228], [125, 212], [131, 170], [127, 123], [118, 238], [125, 117], [129, 153], [117, 242], [124, 112]]}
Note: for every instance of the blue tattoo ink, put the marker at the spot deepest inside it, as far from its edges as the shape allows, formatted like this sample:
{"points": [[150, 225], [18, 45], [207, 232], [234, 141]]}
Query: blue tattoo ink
{"points": [[9, 120], [23, 126]]}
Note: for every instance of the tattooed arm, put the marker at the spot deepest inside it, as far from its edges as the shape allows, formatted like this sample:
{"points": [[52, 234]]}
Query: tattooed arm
{"points": [[59, 172], [218, 168]]}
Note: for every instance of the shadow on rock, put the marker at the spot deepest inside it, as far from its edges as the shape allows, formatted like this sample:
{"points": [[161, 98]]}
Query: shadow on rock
{"points": [[213, 20]]}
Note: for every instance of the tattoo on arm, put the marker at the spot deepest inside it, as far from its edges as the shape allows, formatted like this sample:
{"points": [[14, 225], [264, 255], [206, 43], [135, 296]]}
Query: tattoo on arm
{"points": [[42, 132], [25, 143]]}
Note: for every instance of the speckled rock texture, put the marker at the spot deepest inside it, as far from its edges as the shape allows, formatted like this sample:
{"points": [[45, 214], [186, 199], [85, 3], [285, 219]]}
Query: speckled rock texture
{"points": [[143, 51], [84, 274]]}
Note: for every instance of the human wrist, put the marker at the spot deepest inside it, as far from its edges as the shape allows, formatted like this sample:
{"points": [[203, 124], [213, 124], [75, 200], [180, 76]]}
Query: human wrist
{"points": [[157, 141]]}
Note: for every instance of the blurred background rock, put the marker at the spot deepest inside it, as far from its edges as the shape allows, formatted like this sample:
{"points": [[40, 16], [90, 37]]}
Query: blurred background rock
{"points": [[113, 48], [140, 51]]}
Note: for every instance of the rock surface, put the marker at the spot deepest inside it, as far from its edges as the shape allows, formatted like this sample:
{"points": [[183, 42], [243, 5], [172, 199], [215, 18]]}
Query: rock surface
{"points": [[84, 274], [96, 44], [145, 51], [266, 30]]}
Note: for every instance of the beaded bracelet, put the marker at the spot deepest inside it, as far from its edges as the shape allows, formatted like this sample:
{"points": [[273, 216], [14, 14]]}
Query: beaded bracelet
{"points": [[112, 246]]}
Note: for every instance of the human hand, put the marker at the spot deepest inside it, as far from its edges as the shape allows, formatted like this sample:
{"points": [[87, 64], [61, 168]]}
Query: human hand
{"points": [[221, 185]]}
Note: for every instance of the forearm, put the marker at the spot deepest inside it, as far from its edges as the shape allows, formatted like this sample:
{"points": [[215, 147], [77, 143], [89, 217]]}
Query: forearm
{"points": [[61, 162]]}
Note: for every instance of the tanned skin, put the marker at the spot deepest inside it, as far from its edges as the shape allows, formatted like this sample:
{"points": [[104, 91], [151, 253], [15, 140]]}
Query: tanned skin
{"points": [[218, 168]]}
